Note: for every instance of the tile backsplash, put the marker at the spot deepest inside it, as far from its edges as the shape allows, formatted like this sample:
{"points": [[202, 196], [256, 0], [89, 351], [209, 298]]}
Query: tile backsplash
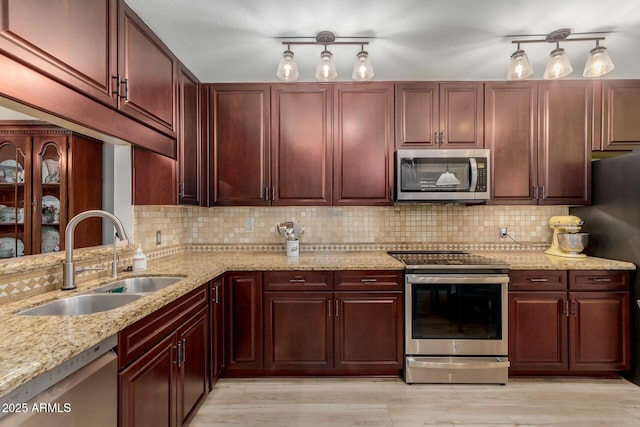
{"points": [[400, 224], [345, 228]]}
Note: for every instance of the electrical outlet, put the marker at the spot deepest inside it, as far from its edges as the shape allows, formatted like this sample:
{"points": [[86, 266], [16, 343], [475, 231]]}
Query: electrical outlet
{"points": [[158, 237], [502, 232], [248, 224]]}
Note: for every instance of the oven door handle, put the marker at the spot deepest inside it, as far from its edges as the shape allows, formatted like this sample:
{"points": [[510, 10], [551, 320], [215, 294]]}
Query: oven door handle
{"points": [[473, 165], [500, 362], [456, 279]]}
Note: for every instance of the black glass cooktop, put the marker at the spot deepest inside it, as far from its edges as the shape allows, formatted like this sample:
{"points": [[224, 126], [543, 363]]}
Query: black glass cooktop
{"points": [[446, 259]]}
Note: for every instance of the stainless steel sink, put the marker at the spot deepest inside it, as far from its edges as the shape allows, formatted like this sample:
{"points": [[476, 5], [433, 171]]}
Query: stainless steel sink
{"points": [[138, 285], [81, 304]]}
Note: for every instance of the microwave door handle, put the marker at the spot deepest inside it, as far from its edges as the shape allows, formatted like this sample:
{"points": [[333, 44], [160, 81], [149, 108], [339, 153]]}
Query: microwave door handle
{"points": [[474, 174]]}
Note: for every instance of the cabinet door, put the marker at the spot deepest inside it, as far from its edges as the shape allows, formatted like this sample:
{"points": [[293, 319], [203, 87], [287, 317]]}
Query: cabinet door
{"points": [[564, 157], [239, 135], [599, 325], [73, 41], [368, 330], [147, 70], [621, 109], [84, 184], [154, 178], [15, 194], [511, 133], [245, 320], [49, 193], [193, 371], [417, 106], [217, 328], [298, 331], [537, 331], [363, 150], [147, 388], [189, 141], [461, 115], [301, 144]]}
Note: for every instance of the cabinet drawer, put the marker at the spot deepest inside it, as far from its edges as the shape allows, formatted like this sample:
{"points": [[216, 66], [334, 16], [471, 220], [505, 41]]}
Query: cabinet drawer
{"points": [[537, 280], [136, 339], [368, 280], [598, 280], [298, 280]]}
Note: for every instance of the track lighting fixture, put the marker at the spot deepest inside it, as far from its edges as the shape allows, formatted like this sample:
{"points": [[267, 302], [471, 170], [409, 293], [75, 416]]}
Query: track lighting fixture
{"points": [[558, 66], [326, 70]]}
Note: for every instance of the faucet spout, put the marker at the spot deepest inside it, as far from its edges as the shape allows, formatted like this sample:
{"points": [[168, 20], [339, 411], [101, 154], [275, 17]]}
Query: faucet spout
{"points": [[69, 272]]}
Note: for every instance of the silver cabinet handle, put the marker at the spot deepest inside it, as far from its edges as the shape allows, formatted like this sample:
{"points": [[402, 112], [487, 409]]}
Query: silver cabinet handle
{"points": [[179, 354], [297, 280], [566, 308], [574, 308], [538, 279], [435, 138], [442, 140], [184, 348], [600, 279], [329, 308], [337, 312], [363, 280]]}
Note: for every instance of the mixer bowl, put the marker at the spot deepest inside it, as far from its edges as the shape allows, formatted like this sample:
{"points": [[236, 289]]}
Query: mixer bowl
{"points": [[573, 242]]}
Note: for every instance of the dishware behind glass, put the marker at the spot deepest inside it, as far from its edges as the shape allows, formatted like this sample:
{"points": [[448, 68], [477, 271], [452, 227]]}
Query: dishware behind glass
{"points": [[53, 167]]}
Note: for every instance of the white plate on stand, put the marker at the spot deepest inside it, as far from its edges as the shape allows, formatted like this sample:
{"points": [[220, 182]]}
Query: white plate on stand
{"points": [[12, 243]]}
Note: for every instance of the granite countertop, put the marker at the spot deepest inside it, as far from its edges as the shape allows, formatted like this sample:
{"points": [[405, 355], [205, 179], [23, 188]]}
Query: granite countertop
{"points": [[32, 345]]}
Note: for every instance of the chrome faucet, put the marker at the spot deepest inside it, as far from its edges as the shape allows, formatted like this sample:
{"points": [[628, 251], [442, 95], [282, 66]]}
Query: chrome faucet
{"points": [[69, 271]]}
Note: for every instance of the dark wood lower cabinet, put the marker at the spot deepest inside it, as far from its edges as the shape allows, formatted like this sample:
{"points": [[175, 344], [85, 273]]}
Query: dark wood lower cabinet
{"points": [[218, 312], [368, 330], [298, 330], [148, 388], [581, 330], [312, 332], [164, 375], [193, 369], [244, 350]]}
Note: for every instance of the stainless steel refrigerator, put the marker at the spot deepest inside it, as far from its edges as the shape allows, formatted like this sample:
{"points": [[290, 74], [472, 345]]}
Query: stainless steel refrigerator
{"points": [[613, 224]]}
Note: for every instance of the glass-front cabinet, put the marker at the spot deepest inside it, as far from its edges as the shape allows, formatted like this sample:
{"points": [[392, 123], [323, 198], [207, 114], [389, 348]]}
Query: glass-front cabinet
{"points": [[15, 196], [49, 189], [37, 186]]}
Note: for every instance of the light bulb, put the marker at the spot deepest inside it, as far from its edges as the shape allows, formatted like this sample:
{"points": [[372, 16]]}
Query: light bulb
{"points": [[362, 69], [326, 69], [287, 69]]}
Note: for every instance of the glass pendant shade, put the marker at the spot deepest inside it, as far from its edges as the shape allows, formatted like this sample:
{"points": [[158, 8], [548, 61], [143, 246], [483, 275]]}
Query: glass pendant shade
{"points": [[326, 69], [362, 69], [598, 63], [288, 69], [558, 65], [519, 68]]}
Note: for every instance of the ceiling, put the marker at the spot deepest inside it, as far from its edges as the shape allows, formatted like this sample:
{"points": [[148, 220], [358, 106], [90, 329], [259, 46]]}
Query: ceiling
{"points": [[238, 40]]}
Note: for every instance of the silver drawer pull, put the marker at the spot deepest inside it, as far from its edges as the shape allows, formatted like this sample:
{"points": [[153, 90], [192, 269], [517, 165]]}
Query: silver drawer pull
{"points": [[368, 280], [538, 279], [600, 279], [296, 280]]}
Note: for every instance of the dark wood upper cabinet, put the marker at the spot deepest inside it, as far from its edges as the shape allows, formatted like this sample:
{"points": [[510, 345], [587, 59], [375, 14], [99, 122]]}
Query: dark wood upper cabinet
{"points": [[540, 135], [511, 133], [565, 138], [154, 178], [301, 144], [190, 167], [72, 41], [439, 115], [146, 73], [620, 112], [363, 144], [239, 123]]}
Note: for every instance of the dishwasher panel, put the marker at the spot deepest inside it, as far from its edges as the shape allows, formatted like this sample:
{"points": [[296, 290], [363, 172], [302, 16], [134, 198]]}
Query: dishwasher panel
{"points": [[87, 397]]}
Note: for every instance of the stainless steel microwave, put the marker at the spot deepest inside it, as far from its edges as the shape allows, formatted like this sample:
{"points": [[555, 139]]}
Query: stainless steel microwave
{"points": [[455, 175]]}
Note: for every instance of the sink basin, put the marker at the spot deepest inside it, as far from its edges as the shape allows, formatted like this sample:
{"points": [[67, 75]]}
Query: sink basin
{"points": [[80, 304], [138, 285]]}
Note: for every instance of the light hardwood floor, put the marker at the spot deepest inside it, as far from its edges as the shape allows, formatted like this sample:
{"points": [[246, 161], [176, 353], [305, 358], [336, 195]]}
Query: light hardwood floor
{"points": [[312, 402]]}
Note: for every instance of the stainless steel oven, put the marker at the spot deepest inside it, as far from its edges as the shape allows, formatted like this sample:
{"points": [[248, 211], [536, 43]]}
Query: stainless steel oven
{"points": [[455, 318]]}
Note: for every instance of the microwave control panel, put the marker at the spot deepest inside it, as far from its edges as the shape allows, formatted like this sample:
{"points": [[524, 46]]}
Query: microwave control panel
{"points": [[482, 174]]}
